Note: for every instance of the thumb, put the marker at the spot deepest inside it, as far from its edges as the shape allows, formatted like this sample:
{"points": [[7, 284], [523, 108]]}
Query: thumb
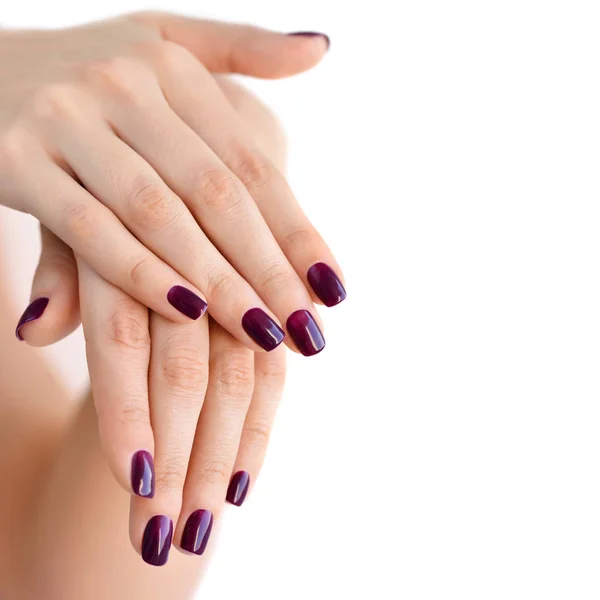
{"points": [[231, 48], [54, 310]]}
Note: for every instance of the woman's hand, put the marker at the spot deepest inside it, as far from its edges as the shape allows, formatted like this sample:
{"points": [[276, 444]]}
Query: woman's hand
{"points": [[211, 407], [119, 140]]}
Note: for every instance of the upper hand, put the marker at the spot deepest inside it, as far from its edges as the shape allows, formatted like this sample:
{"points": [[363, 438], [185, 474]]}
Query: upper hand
{"points": [[118, 139]]}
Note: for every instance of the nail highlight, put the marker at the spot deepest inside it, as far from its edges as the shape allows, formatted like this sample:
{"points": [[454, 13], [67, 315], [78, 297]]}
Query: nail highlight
{"points": [[238, 488], [142, 474], [156, 542], [186, 302], [197, 531], [313, 34], [326, 284], [262, 329], [32, 313], [305, 332]]}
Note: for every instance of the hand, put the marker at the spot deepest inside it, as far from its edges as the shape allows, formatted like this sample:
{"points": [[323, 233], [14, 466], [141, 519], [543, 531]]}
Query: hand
{"points": [[211, 407], [117, 138]]}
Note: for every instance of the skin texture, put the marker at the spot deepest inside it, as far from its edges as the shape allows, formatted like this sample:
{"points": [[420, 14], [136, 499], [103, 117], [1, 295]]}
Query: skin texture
{"points": [[191, 202], [193, 208], [47, 515]]}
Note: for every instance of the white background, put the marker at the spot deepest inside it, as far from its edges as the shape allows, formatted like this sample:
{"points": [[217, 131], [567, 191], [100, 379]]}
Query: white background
{"points": [[445, 445]]}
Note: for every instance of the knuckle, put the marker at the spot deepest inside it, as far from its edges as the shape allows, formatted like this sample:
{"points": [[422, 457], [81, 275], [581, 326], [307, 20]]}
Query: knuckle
{"points": [[140, 268], [272, 372], [257, 434], [220, 192], [216, 471], [122, 76], [184, 370], [276, 278], [56, 101], [150, 205], [253, 170], [171, 472], [234, 376], [127, 327], [170, 54], [220, 283], [301, 237], [133, 413], [82, 222]]}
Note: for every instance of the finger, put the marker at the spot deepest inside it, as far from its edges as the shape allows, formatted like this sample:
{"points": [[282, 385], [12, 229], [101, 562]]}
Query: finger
{"points": [[229, 137], [269, 372], [53, 312], [131, 188], [217, 438], [118, 351], [231, 48], [100, 239], [301, 242], [178, 378], [220, 203]]}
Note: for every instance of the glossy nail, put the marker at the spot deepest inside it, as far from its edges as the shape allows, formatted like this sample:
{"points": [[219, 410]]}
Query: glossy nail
{"points": [[32, 313], [326, 284], [142, 474], [156, 542], [238, 488], [197, 531], [313, 34], [186, 302], [262, 329], [305, 332]]}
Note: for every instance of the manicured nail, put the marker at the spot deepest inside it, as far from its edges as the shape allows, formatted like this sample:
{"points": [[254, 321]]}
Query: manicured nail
{"points": [[186, 302], [312, 34], [305, 332], [238, 488], [197, 531], [142, 474], [156, 542], [262, 329], [326, 284], [32, 313]]}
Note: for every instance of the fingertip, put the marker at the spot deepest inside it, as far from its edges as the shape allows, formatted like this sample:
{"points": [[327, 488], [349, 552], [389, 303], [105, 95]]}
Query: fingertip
{"points": [[313, 35]]}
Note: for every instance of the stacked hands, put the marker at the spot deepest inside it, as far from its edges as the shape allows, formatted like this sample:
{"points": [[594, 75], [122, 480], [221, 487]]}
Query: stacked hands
{"points": [[154, 193]]}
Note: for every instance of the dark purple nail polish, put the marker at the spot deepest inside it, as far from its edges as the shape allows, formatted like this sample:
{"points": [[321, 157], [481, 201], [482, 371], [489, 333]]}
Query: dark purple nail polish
{"points": [[262, 329], [32, 313], [156, 542], [238, 488], [142, 474], [186, 302], [197, 531], [305, 332], [326, 284], [313, 34]]}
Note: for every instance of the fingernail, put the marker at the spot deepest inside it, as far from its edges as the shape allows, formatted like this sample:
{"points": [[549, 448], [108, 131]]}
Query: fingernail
{"points": [[142, 474], [312, 34], [326, 284], [305, 332], [186, 302], [156, 542], [197, 531], [238, 488], [32, 313], [262, 329]]}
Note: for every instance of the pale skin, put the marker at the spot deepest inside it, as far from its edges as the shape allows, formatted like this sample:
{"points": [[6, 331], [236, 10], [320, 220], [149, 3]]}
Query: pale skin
{"points": [[147, 172], [47, 515], [174, 191]]}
